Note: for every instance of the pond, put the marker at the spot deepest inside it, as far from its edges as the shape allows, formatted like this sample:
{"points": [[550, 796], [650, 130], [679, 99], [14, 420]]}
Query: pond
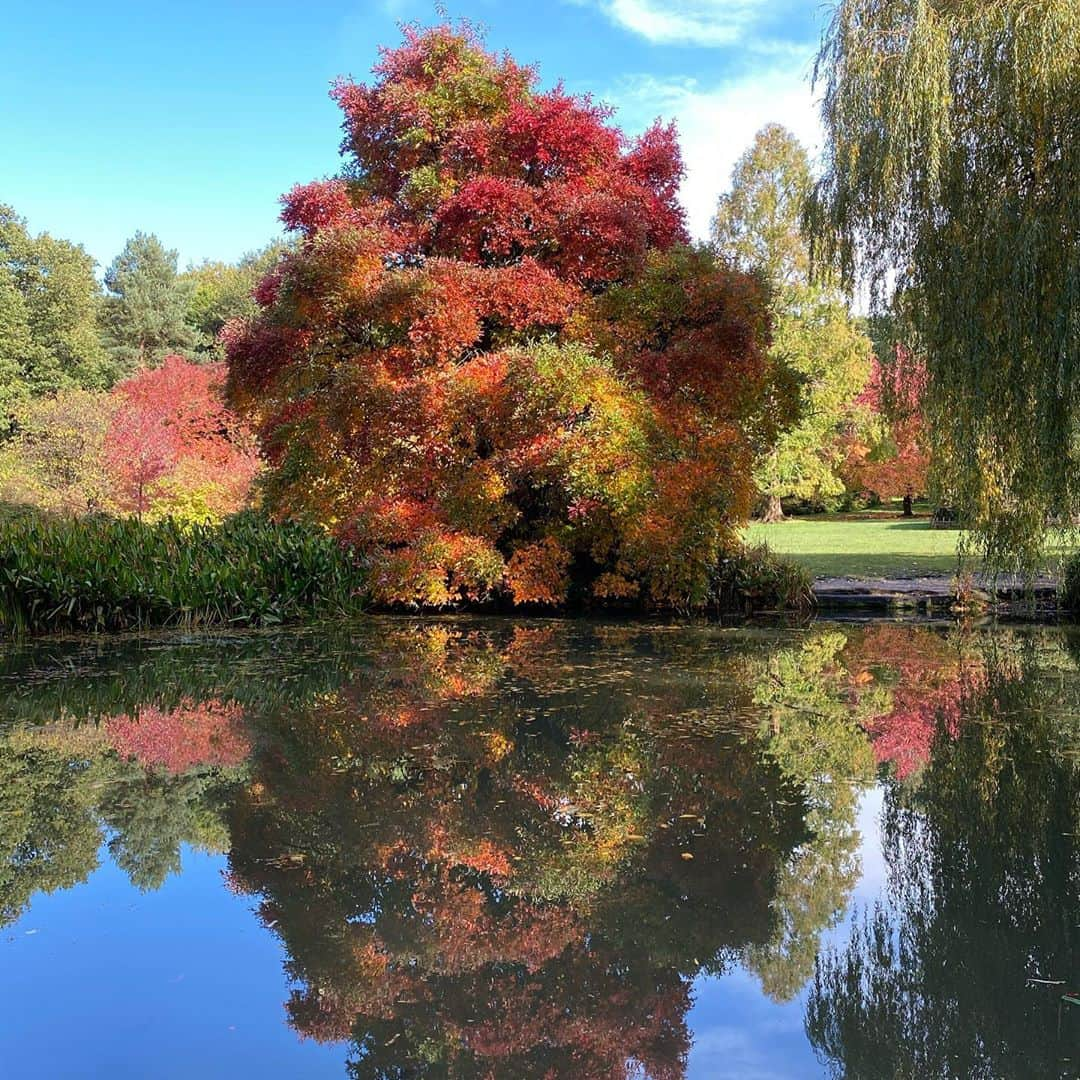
{"points": [[495, 848]]}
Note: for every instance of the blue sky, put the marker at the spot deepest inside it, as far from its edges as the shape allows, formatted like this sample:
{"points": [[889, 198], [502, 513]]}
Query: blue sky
{"points": [[190, 120]]}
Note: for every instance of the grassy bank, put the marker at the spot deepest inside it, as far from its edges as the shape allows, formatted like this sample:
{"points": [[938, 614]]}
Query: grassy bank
{"points": [[115, 574], [121, 574], [878, 547]]}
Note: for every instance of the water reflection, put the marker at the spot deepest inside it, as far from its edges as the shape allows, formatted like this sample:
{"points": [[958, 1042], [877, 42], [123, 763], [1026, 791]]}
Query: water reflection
{"points": [[511, 849]]}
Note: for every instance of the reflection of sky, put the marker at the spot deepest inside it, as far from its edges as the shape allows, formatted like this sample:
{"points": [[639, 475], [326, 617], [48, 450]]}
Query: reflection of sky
{"points": [[739, 1033], [104, 981]]}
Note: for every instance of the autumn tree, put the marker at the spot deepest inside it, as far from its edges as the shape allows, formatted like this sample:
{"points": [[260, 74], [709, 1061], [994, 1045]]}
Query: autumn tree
{"points": [[143, 314], [888, 450], [490, 362], [173, 446], [758, 228], [953, 159]]}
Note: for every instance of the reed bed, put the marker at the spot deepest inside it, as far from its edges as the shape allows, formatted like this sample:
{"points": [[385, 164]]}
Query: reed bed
{"points": [[106, 574]]}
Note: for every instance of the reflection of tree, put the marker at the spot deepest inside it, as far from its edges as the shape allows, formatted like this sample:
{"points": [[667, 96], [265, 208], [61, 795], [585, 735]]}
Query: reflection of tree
{"points": [[495, 848], [48, 835], [811, 728], [984, 892], [194, 733], [510, 856], [834, 706], [64, 787], [926, 675], [149, 815]]}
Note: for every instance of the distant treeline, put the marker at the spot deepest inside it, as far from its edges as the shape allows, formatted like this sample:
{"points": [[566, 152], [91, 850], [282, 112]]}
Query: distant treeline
{"points": [[61, 329]]}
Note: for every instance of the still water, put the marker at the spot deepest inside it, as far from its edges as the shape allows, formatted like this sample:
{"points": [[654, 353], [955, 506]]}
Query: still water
{"points": [[469, 848]]}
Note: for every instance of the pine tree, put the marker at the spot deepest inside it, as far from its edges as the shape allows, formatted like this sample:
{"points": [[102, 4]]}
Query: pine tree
{"points": [[144, 312]]}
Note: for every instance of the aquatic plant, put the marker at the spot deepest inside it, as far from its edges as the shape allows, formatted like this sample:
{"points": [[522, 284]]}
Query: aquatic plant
{"points": [[119, 574]]}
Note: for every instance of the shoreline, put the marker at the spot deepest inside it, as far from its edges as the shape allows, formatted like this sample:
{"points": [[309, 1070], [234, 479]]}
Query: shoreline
{"points": [[939, 594]]}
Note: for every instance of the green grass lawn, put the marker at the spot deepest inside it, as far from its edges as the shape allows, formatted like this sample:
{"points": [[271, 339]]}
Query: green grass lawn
{"points": [[886, 547], [832, 546]]}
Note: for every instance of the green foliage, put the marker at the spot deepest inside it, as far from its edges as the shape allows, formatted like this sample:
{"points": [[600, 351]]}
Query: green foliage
{"points": [[759, 229], [54, 459], [218, 292], [143, 318], [953, 155], [812, 729], [48, 837], [49, 303], [758, 224], [816, 338], [103, 574]]}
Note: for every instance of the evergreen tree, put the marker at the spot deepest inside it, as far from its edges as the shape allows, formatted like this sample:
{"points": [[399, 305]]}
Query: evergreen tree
{"points": [[144, 312]]}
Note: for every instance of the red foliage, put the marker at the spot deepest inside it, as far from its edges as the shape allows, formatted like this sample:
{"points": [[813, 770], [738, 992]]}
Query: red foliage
{"points": [[929, 681], [393, 374], [139, 450], [900, 465], [194, 733], [172, 425]]}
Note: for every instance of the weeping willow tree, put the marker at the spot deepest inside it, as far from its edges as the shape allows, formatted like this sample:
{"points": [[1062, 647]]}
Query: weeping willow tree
{"points": [[952, 171]]}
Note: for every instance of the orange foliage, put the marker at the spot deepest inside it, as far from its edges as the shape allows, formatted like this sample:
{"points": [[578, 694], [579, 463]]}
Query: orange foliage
{"points": [[489, 362]]}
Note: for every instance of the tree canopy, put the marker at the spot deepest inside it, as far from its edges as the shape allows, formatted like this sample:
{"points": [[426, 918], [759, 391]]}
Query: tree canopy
{"points": [[759, 222], [144, 312], [220, 291], [491, 362], [49, 302], [759, 229], [953, 169]]}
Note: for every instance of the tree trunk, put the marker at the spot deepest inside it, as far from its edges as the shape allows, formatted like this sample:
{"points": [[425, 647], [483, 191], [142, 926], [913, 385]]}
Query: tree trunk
{"points": [[774, 510], [908, 508]]}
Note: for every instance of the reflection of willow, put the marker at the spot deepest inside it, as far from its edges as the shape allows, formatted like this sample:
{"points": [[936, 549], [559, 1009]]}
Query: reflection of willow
{"points": [[510, 856], [984, 892], [834, 707]]}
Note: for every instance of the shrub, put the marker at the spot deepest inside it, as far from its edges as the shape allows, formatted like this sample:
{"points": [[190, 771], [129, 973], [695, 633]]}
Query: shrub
{"points": [[119, 574], [753, 579]]}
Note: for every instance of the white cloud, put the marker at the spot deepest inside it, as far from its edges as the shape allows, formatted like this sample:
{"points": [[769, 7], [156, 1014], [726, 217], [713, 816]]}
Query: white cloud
{"points": [[717, 123], [685, 22]]}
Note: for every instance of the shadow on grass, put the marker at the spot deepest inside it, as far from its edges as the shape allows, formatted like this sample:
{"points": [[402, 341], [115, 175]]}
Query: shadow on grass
{"points": [[916, 525], [885, 565]]}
